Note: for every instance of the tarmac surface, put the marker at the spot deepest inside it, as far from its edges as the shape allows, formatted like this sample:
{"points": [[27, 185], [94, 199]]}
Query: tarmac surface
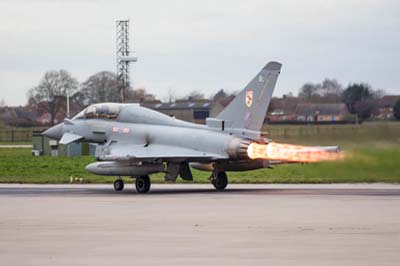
{"points": [[194, 225]]}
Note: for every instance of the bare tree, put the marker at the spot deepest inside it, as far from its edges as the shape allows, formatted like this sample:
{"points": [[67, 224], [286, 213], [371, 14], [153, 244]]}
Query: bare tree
{"points": [[2, 103], [50, 94], [379, 93], [219, 95], [331, 87], [328, 89], [309, 90], [139, 95], [364, 108], [195, 95], [100, 87], [289, 94], [171, 97]]}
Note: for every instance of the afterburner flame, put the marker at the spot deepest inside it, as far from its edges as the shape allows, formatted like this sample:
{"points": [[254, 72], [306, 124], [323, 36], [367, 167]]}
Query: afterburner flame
{"points": [[292, 153]]}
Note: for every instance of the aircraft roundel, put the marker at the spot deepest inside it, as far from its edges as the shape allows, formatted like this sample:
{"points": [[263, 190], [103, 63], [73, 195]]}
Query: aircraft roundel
{"points": [[249, 98]]}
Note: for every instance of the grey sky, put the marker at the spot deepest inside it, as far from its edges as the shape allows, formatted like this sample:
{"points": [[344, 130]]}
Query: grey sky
{"points": [[202, 45]]}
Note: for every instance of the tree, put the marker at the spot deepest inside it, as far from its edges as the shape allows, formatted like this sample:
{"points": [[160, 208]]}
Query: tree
{"points": [[139, 95], [355, 93], [396, 110], [219, 95], [331, 87], [195, 95], [357, 98], [379, 93], [100, 87], [364, 109], [51, 92], [171, 96], [309, 90], [2, 103]]}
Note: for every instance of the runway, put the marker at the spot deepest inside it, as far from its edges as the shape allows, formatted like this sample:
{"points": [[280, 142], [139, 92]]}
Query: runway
{"points": [[194, 225]]}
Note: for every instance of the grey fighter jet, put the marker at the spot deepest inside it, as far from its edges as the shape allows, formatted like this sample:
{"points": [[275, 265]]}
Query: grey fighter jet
{"points": [[137, 142]]}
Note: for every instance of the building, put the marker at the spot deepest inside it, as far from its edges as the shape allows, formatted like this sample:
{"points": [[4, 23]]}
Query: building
{"points": [[280, 116], [321, 112], [385, 107], [300, 113], [283, 109], [18, 116], [192, 111], [42, 145]]}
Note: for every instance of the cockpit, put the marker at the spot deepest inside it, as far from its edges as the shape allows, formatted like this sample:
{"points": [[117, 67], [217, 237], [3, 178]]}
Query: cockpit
{"points": [[100, 111]]}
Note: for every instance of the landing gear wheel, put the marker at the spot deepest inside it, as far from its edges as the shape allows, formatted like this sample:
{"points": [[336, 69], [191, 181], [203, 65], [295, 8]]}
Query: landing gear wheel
{"points": [[143, 184], [118, 185], [220, 181]]}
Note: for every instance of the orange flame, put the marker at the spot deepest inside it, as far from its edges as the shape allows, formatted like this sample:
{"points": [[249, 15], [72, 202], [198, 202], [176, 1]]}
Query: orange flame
{"points": [[292, 153]]}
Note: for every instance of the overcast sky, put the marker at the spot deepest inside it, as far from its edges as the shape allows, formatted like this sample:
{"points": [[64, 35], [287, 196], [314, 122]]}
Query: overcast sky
{"points": [[202, 45]]}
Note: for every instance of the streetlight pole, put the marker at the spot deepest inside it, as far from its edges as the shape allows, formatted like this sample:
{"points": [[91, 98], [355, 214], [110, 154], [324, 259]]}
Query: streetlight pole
{"points": [[67, 102]]}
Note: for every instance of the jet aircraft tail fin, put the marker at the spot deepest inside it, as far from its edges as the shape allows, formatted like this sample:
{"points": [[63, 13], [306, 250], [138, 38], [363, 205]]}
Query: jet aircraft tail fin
{"points": [[248, 108]]}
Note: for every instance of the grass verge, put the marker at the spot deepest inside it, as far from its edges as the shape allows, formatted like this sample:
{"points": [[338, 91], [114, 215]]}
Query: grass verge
{"points": [[361, 165]]}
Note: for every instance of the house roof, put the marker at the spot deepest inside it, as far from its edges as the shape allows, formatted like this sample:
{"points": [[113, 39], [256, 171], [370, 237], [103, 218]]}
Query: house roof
{"points": [[19, 112], [388, 100], [226, 100], [286, 105], [308, 109], [179, 105]]}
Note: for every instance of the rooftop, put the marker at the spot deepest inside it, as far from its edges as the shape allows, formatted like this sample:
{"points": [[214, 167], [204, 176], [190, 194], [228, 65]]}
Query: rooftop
{"points": [[179, 105], [308, 109]]}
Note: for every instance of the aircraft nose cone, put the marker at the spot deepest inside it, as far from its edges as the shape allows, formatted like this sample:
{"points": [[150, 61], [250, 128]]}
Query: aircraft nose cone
{"points": [[54, 132]]}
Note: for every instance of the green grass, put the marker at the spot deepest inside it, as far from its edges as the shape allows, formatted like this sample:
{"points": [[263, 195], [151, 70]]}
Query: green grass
{"points": [[358, 135], [373, 156], [361, 165]]}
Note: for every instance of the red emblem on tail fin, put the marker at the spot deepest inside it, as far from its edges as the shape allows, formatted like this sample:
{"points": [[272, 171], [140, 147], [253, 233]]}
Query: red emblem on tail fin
{"points": [[249, 98]]}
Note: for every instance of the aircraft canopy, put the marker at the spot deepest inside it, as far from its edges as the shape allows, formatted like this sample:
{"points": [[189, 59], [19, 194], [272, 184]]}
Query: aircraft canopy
{"points": [[100, 111]]}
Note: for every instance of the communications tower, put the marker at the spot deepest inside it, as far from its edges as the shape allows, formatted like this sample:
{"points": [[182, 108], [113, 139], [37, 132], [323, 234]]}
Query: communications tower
{"points": [[123, 57]]}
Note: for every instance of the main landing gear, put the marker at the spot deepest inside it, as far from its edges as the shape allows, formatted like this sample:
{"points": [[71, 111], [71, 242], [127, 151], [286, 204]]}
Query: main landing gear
{"points": [[142, 184], [118, 184], [219, 180]]}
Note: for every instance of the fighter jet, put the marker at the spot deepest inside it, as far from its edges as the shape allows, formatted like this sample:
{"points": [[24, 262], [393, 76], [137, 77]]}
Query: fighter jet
{"points": [[135, 141]]}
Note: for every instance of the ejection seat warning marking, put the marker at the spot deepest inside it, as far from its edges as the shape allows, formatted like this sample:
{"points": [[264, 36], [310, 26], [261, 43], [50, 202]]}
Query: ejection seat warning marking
{"points": [[115, 129], [125, 130]]}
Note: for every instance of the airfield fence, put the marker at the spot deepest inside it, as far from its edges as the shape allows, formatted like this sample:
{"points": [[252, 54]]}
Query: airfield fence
{"points": [[369, 130], [17, 135]]}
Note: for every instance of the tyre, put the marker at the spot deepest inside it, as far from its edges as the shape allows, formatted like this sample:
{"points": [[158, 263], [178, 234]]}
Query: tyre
{"points": [[220, 181], [118, 185], [142, 184]]}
